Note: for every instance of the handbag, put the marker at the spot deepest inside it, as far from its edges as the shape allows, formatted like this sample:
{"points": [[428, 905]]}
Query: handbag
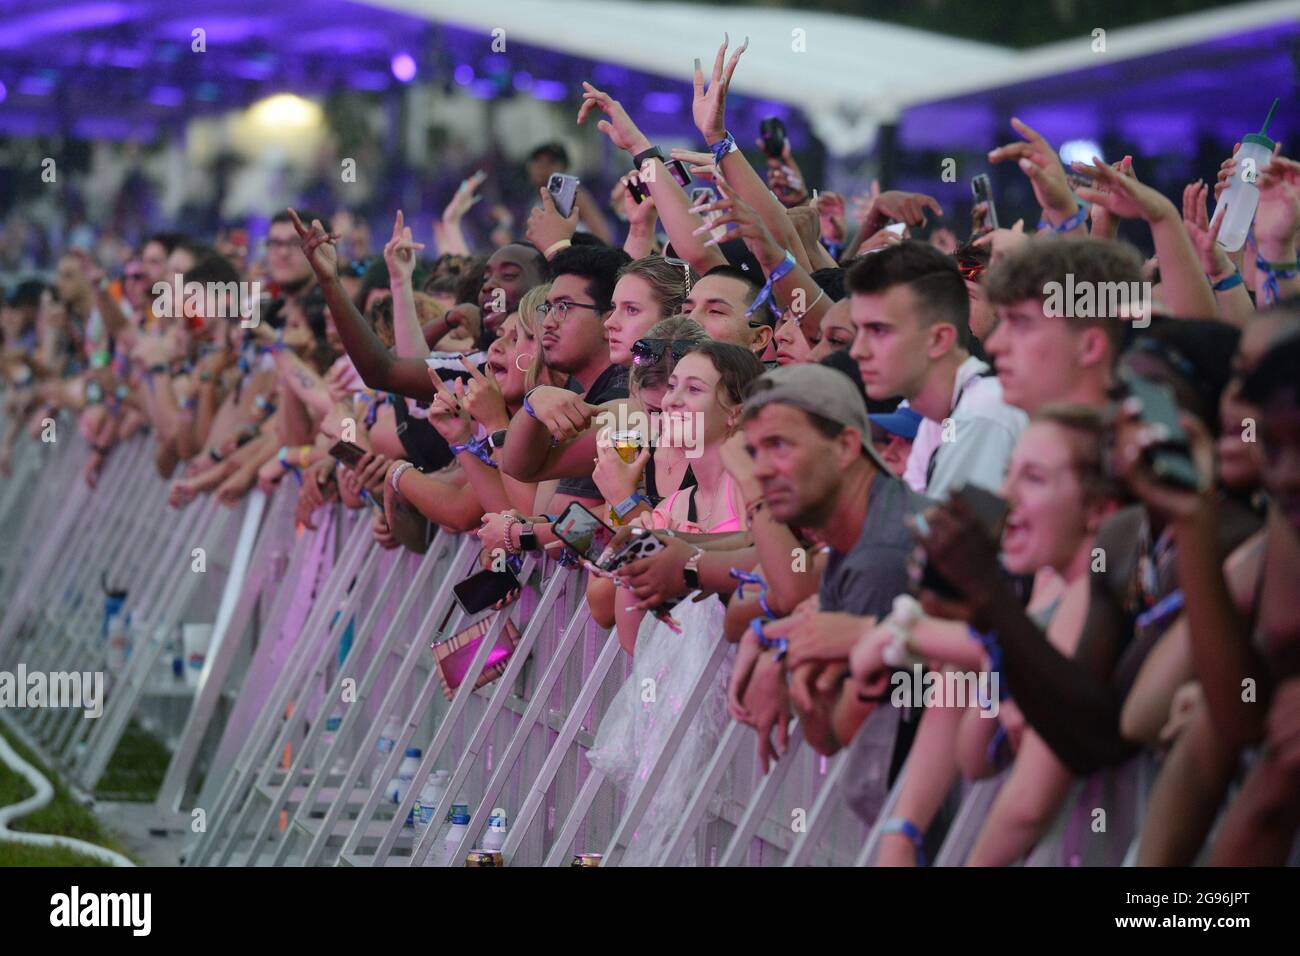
{"points": [[453, 656]]}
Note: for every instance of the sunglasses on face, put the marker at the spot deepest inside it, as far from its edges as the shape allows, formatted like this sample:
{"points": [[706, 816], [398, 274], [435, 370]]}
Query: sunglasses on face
{"points": [[651, 351]]}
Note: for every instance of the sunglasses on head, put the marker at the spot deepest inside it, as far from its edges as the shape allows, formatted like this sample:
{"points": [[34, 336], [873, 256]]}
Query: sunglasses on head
{"points": [[651, 351]]}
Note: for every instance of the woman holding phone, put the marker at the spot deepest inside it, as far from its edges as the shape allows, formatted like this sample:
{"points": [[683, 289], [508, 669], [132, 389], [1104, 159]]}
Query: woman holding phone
{"points": [[701, 410]]}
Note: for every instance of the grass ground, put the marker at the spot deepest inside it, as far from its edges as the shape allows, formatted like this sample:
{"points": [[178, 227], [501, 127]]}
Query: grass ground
{"points": [[62, 816]]}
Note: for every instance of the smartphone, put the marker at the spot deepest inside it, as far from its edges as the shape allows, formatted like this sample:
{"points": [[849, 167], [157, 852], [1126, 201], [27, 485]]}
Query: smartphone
{"points": [[583, 532], [347, 452], [480, 591], [638, 191], [564, 190], [981, 188], [772, 131], [990, 511], [643, 544], [1170, 460], [701, 194]]}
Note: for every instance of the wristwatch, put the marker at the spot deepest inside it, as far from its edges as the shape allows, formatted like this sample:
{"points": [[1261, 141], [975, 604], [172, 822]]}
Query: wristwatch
{"points": [[691, 573], [527, 536], [497, 439], [654, 152]]}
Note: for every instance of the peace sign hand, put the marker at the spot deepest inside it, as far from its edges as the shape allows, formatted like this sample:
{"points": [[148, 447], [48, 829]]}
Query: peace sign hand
{"points": [[483, 400], [400, 251], [318, 246], [447, 413]]}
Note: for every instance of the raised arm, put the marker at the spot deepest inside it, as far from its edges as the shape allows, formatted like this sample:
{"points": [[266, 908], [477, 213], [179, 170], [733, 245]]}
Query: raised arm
{"points": [[378, 367]]}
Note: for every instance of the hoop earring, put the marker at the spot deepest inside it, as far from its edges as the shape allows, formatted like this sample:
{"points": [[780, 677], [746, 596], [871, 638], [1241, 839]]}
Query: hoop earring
{"points": [[524, 368]]}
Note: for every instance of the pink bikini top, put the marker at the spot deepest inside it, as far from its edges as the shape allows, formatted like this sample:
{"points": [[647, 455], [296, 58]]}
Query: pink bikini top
{"points": [[662, 515]]}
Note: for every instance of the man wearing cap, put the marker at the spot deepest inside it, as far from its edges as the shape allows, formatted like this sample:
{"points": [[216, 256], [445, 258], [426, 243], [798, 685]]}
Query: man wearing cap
{"points": [[807, 430], [892, 434]]}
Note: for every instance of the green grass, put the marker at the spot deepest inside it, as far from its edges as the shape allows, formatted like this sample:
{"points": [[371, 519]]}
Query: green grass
{"points": [[136, 770], [62, 816]]}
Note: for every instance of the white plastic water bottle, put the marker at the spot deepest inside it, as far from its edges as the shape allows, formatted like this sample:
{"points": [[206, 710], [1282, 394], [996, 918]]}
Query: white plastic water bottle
{"points": [[455, 833], [495, 838], [399, 785], [388, 736], [431, 794], [118, 651], [1242, 195]]}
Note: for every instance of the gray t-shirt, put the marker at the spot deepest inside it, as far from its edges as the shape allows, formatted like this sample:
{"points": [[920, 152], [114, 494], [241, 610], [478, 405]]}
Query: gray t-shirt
{"points": [[865, 581]]}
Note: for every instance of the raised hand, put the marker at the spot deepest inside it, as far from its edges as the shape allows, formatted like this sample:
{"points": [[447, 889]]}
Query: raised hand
{"points": [[1104, 224], [483, 400], [465, 199], [709, 108], [400, 251], [734, 211], [900, 206], [834, 225], [1038, 160], [620, 129], [700, 165], [545, 224], [1122, 195], [318, 246], [1203, 232], [447, 413]]}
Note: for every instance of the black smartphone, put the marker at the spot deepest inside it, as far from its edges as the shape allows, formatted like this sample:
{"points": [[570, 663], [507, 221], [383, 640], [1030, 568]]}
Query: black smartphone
{"points": [[1170, 460], [701, 194], [564, 190], [347, 452], [480, 591], [990, 511], [981, 188], [676, 167], [772, 130], [583, 531]]}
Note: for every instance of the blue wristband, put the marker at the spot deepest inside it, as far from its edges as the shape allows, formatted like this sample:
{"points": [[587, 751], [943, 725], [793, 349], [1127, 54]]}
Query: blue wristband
{"points": [[1232, 281], [779, 273], [1074, 222], [722, 147], [909, 830], [780, 644]]}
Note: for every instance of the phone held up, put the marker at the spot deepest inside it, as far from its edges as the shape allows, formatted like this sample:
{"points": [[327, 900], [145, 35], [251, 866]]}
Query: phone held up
{"points": [[484, 589], [1170, 459], [638, 190], [990, 511], [981, 190], [564, 191], [772, 131]]}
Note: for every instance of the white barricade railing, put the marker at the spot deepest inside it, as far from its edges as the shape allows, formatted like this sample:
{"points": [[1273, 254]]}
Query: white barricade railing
{"points": [[322, 627]]}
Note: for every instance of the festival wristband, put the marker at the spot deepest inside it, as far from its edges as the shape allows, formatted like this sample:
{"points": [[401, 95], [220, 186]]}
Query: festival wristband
{"points": [[723, 146], [779, 273]]}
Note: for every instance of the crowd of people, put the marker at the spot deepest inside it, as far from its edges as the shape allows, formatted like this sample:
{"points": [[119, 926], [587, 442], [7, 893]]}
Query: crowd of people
{"points": [[867, 457]]}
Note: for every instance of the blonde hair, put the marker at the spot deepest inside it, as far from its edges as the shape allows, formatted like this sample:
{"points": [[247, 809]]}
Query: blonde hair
{"points": [[532, 327], [669, 283]]}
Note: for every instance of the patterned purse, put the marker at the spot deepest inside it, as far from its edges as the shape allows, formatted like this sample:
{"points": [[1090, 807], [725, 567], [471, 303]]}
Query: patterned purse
{"points": [[453, 656]]}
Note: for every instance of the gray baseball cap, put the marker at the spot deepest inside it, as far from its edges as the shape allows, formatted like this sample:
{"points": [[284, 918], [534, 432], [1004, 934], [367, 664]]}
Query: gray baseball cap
{"points": [[820, 390]]}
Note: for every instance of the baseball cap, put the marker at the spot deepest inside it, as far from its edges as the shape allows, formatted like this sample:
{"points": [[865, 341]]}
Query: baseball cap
{"points": [[818, 390], [902, 422]]}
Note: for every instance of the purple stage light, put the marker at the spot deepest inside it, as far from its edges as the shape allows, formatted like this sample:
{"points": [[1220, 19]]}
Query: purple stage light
{"points": [[170, 96], [463, 74], [523, 81], [40, 85], [403, 65], [552, 91], [663, 102], [3, 91]]}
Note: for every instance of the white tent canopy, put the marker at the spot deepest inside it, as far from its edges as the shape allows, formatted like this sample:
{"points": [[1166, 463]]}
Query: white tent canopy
{"points": [[847, 74]]}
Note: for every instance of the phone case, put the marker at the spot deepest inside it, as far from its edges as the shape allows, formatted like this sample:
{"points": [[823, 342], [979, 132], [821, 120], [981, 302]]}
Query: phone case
{"points": [[453, 656]]}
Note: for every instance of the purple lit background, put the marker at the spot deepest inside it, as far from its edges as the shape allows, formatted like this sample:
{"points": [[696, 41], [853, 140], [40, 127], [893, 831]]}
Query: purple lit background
{"points": [[125, 71]]}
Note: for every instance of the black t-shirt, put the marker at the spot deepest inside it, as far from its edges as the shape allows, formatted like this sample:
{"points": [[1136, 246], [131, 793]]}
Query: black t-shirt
{"points": [[609, 386]]}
